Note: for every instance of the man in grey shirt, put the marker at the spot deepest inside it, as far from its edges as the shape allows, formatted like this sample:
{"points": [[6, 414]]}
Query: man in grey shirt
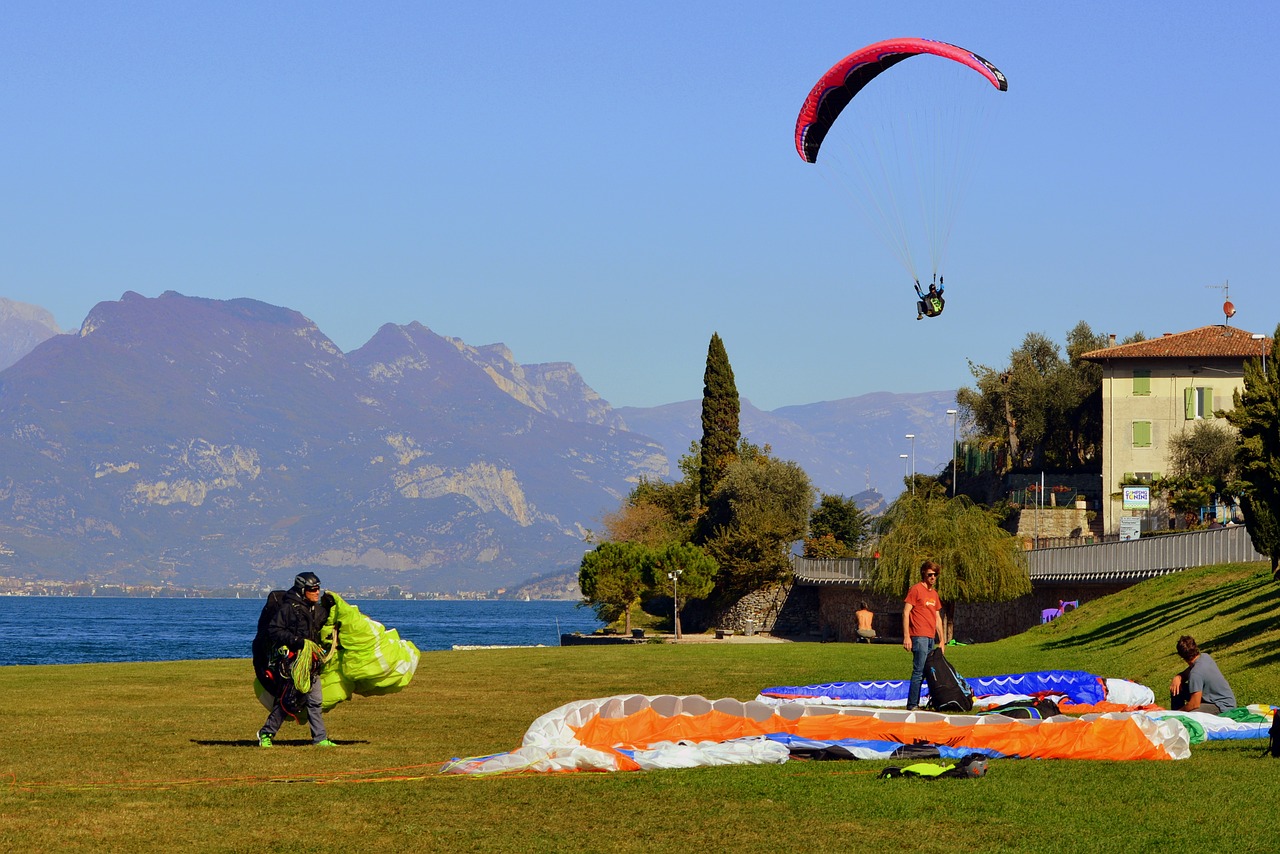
{"points": [[1201, 687]]}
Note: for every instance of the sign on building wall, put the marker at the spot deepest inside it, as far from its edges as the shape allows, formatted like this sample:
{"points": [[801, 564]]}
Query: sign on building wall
{"points": [[1136, 498]]}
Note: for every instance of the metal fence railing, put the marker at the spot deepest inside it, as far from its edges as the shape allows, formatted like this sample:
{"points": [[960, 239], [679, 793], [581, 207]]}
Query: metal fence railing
{"points": [[1143, 556], [855, 570], [1100, 562]]}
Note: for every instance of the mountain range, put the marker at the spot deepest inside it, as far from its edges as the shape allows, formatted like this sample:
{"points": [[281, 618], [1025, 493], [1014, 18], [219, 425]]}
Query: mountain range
{"points": [[209, 443]]}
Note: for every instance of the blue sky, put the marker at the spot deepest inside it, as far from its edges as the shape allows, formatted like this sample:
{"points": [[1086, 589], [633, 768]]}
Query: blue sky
{"points": [[608, 185]]}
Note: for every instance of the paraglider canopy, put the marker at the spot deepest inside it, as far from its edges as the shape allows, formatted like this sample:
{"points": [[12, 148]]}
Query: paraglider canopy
{"points": [[833, 92]]}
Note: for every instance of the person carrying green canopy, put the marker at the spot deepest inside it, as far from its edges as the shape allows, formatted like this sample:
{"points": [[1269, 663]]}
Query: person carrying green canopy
{"points": [[293, 629], [350, 654]]}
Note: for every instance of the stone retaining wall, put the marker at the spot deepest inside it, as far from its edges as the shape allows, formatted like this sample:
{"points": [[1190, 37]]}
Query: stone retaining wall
{"points": [[1053, 522], [781, 609]]}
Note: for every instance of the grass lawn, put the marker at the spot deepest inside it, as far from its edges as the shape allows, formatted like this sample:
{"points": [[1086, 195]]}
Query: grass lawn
{"points": [[134, 757]]}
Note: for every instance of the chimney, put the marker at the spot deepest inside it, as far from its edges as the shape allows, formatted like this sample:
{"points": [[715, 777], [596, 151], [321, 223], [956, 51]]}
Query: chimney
{"points": [[1111, 340]]}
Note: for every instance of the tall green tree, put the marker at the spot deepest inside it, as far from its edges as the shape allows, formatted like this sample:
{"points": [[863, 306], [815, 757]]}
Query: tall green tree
{"points": [[614, 577], [757, 512], [1257, 416], [841, 521], [1201, 464], [656, 513], [695, 568], [1043, 410], [1080, 431], [981, 562], [720, 411]]}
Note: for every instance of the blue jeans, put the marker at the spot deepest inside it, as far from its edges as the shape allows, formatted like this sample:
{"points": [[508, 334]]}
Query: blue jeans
{"points": [[920, 649]]}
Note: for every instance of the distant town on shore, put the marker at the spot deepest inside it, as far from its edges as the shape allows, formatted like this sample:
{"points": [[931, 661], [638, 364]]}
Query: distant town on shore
{"points": [[19, 587]]}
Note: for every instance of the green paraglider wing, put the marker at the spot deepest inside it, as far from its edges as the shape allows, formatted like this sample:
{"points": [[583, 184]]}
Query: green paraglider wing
{"points": [[372, 659]]}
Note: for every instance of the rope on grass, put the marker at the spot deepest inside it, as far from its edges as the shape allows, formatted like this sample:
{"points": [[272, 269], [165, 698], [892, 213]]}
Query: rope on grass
{"points": [[364, 775]]}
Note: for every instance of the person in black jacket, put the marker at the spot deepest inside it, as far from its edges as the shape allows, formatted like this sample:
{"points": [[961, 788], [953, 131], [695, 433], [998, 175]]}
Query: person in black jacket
{"points": [[299, 618]]}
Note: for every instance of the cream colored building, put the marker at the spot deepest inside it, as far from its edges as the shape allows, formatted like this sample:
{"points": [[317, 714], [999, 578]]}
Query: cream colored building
{"points": [[1154, 390]]}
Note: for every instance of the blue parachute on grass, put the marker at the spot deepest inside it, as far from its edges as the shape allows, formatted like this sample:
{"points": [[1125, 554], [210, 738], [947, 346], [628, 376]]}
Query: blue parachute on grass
{"points": [[1076, 685]]}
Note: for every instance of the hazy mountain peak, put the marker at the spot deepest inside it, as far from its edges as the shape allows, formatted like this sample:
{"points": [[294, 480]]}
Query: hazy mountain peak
{"points": [[22, 328], [12, 310]]}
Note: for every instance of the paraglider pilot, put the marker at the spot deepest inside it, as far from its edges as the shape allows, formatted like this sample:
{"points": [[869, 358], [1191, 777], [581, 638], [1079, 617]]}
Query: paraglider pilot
{"points": [[299, 618], [930, 304]]}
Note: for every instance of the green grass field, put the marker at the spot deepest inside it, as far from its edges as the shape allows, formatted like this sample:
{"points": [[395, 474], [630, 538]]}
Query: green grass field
{"points": [[139, 757]]}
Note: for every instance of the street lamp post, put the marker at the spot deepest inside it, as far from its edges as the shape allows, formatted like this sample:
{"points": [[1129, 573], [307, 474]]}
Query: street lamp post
{"points": [[674, 575], [906, 472], [912, 437], [1262, 338], [955, 417]]}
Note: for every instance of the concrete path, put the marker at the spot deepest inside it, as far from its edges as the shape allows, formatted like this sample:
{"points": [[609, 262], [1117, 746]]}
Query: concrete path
{"points": [[734, 638]]}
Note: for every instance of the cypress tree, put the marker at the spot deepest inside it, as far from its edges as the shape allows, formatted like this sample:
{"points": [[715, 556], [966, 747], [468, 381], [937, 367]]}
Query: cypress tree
{"points": [[720, 433], [1257, 415]]}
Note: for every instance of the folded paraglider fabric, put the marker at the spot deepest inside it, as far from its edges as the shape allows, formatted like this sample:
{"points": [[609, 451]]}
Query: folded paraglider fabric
{"points": [[1083, 692], [1202, 726], [1079, 687], [372, 659], [641, 732]]}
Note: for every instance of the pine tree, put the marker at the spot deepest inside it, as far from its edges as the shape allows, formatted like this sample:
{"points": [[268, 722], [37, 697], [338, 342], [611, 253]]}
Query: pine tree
{"points": [[720, 410]]}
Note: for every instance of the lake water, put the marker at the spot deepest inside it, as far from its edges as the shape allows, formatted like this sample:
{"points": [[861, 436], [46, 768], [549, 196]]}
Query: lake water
{"points": [[80, 629]]}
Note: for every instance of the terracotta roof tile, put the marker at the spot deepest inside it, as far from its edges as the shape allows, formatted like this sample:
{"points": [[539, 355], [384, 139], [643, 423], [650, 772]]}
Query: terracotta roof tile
{"points": [[1207, 341]]}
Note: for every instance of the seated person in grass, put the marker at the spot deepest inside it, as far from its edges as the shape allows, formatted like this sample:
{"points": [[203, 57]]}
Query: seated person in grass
{"points": [[1201, 687], [865, 616]]}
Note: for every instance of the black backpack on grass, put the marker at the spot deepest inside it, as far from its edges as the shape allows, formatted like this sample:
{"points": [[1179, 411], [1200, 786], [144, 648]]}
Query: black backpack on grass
{"points": [[948, 692], [1036, 710], [1273, 746]]}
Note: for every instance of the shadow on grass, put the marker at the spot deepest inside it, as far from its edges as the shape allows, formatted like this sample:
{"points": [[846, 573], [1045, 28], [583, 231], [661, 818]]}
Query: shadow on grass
{"points": [[253, 742], [1256, 615]]}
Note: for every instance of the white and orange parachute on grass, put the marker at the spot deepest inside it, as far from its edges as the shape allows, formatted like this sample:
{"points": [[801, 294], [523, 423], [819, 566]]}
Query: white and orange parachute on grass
{"points": [[638, 732]]}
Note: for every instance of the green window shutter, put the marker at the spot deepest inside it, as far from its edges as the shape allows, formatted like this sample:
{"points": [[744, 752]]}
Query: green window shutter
{"points": [[1142, 434], [1204, 401], [1189, 402], [1141, 382]]}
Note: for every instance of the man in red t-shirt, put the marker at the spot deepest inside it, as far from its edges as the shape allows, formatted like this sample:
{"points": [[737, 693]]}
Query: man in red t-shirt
{"points": [[921, 626]]}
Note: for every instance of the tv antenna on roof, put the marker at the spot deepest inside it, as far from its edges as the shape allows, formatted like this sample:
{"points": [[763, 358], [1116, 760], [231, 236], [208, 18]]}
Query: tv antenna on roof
{"points": [[1228, 308]]}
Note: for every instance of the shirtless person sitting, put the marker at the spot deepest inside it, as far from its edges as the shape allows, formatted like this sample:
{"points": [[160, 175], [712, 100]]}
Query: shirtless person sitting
{"points": [[865, 616]]}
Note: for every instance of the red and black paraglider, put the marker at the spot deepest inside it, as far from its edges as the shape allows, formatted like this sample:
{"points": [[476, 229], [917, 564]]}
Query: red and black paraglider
{"points": [[914, 134]]}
